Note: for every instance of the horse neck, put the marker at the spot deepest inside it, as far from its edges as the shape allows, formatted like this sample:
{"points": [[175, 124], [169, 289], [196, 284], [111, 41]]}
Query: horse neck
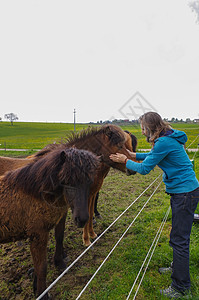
{"points": [[95, 144]]}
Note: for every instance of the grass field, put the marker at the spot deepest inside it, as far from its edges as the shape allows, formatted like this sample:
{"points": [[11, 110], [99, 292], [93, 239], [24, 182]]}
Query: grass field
{"points": [[24, 135], [117, 275]]}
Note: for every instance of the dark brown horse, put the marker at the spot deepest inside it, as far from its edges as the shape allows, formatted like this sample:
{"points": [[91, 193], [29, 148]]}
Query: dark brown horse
{"points": [[35, 197]]}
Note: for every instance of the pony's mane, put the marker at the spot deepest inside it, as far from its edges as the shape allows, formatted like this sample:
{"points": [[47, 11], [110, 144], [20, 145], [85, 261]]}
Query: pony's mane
{"points": [[49, 148], [114, 133], [71, 167]]}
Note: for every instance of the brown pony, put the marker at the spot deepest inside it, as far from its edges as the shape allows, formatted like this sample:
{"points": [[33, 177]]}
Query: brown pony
{"points": [[101, 141], [35, 197]]}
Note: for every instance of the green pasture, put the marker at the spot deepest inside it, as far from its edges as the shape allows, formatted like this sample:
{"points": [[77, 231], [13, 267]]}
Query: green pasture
{"points": [[30, 135]]}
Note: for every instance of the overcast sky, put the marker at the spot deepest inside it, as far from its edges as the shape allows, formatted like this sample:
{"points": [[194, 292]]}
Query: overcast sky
{"points": [[95, 56]]}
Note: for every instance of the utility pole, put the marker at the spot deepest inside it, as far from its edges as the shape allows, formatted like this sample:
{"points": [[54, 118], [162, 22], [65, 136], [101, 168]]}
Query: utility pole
{"points": [[74, 119]]}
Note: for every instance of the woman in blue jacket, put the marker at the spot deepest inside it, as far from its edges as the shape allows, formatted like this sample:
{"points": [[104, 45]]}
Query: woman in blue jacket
{"points": [[168, 152]]}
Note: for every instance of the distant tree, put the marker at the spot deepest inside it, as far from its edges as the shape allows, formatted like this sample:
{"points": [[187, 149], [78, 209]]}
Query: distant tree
{"points": [[11, 117], [188, 120], [173, 120], [0, 119], [195, 8]]}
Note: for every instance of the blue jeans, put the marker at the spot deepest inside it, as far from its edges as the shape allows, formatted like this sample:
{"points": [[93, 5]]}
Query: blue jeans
{"points": [[183, 206]]}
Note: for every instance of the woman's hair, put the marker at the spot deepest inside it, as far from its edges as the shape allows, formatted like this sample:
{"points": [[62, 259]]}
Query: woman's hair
{"points": [[154, 125]]}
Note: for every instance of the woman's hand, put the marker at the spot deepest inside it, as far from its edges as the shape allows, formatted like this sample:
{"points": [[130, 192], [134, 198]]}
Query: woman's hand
{"points": [[119, 158]]}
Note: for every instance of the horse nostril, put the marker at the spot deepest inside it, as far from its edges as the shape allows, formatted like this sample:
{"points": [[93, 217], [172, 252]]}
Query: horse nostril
{"points": [[80, 223], [130, 172]]}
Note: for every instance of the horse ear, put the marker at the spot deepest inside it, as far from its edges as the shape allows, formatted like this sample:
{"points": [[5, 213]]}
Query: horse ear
{"points": [[108, 132], [63, 157]]}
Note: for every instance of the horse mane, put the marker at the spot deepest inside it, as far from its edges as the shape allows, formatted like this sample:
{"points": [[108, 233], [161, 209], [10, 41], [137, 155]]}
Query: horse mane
{"points": [[71, 167], [48, 148], [134, 140], [114, 133]]}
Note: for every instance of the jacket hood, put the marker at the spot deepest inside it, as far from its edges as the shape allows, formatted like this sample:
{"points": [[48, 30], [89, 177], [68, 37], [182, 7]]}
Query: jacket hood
{"points": [[180, 136]]}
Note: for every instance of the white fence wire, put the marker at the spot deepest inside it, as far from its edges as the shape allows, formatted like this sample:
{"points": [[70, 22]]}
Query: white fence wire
{"points": [[95, 241], [118, 242]]}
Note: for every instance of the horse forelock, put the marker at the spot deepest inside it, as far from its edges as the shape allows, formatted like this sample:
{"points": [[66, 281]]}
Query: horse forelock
{"points": [[115, 134], [80, 167]]}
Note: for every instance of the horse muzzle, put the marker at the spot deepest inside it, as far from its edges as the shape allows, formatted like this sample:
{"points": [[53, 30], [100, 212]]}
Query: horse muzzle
{"points": [[130, 172], [80, 222]]}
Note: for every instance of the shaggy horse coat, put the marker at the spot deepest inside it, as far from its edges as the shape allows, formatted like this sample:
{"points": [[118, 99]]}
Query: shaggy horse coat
{"points": [[101, 141], [34, 198]]}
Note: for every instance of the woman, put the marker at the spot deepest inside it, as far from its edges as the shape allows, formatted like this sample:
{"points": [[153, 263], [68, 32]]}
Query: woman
{"points": [[169, 154]]}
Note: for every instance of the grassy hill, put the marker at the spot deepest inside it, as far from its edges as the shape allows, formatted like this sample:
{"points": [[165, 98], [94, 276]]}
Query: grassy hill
{"points": [[29, 135]]}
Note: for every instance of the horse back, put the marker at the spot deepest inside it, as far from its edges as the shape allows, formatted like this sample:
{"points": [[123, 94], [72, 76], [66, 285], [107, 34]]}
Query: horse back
{"points": [[8, 163]]}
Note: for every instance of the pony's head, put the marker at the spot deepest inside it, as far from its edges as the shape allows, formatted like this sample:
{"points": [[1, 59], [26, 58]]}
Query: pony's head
{"points": [[118, 141], [81, 168]]}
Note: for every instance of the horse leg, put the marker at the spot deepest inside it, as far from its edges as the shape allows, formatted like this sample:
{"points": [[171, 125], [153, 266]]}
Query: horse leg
{"points": [[59, 250], [38, 248], [95, 205], [85, 236], [92, 234], [88, 228]]}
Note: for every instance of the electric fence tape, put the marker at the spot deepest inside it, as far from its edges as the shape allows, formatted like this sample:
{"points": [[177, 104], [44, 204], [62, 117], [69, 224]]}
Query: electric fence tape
{"points": [[192, 142]]}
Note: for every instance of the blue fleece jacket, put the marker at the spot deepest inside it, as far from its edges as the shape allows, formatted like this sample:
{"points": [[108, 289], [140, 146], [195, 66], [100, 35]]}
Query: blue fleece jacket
{"points": [[169, 154]]}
